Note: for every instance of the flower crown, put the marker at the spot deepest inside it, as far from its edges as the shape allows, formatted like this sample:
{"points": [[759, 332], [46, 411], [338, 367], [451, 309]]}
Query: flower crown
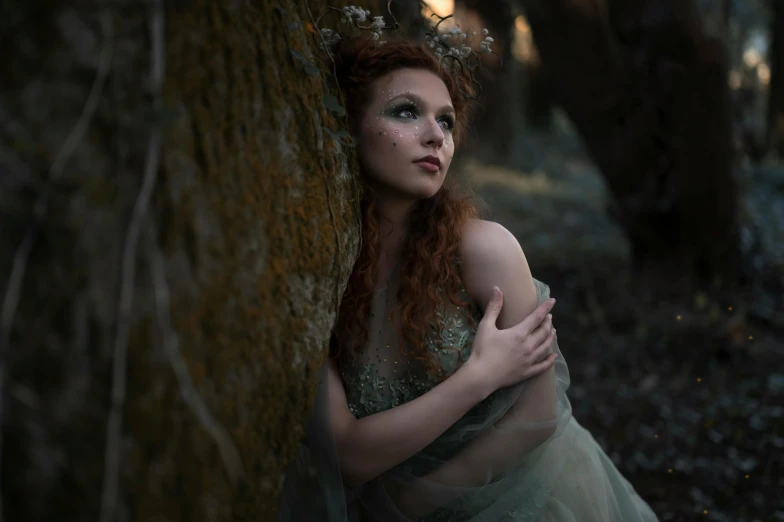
{"points": [[451, 46]]}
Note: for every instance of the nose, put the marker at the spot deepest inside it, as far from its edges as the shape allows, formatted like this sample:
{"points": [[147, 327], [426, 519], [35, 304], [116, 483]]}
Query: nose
{"points": [[433, 135]]}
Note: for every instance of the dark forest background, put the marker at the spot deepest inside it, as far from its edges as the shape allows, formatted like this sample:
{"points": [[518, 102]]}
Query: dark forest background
{"points": [[178, 218]]}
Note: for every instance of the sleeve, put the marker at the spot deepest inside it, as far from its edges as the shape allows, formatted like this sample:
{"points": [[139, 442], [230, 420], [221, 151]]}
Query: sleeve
{"points": [[492, 463]]}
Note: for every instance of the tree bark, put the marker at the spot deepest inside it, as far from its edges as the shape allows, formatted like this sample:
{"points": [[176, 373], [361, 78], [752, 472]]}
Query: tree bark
{"points": [[178, 227], [647, 90]]}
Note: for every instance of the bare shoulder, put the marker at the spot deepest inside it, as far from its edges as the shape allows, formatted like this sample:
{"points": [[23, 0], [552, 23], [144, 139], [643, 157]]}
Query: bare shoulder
{"points": [[484, 241], [491, 256]]}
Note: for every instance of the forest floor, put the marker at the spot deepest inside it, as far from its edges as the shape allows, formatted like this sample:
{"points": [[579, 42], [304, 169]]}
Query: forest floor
{"points": [[683, 389]]}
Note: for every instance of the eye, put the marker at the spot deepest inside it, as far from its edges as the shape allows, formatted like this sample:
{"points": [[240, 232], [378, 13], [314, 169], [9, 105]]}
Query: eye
{"points": [[407, 112], [447, 123]]}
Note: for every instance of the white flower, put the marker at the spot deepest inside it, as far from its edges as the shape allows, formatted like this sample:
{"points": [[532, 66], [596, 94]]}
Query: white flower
{"points": [[473, 33], [351, 11], [376, 36], [485, 31], [488, 39], [463, 36], [435, 39], [378, 22]]}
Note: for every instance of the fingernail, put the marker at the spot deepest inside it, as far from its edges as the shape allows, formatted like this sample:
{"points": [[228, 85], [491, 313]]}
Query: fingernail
{"points": [[549, 316]]}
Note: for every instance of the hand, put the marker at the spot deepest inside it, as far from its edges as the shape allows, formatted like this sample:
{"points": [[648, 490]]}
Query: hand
{"points": [[505, 357]]}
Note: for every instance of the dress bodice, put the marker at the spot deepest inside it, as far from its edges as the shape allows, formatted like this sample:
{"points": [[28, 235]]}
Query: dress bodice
{"points": [[378, 379]]}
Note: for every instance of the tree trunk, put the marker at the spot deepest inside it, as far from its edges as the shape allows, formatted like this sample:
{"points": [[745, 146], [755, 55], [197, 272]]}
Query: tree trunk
{"points": [[178, 227], [494, 125], [647, 90], [775, 126], [539, 98]]}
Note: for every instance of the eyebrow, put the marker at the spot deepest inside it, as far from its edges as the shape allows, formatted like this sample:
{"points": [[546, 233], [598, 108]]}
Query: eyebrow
{"points": [[420, 101]]}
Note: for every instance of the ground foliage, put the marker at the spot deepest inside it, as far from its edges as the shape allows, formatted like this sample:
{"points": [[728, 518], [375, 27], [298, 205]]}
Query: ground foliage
{"points": [[682, 385]]}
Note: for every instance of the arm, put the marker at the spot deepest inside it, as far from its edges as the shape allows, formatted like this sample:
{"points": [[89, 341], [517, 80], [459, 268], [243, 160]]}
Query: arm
{"points": [[491, 255], [374, 444], [369, 446]]}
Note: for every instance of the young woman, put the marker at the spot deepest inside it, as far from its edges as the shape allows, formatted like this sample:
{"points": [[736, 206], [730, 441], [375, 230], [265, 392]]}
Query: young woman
{"points": [[426, 410]]}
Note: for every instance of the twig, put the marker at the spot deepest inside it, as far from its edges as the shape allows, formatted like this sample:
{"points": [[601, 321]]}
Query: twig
{"points": [[228, 451], [22, 254], [13, 290], [128, 265], [338, 254], [323, 41]]}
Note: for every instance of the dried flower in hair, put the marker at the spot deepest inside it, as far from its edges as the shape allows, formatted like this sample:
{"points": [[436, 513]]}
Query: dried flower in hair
{"points": [[458, 59], [451, 45]]}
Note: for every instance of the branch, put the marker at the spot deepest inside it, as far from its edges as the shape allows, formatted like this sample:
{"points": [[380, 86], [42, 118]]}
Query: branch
{"points": [[22, 254], [228, 451], [128, 267]]}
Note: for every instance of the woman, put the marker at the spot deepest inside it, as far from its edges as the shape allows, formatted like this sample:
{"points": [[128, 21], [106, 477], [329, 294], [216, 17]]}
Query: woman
{"points": [[425, 410]]}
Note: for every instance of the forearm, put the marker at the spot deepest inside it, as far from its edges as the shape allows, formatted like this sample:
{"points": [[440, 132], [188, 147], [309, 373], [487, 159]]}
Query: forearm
{"points": [[482, 461], [379, 442], [525, 427]]}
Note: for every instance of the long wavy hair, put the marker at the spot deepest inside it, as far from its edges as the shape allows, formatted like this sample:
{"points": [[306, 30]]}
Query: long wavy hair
{"points": [[429, 259]]}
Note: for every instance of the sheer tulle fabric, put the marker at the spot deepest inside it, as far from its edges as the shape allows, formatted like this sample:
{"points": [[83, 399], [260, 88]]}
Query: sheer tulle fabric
{"points": [[520, 469]]}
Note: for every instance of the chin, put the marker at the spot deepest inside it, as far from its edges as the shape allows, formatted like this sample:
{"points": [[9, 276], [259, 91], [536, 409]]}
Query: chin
{"points": [[426, 192]]}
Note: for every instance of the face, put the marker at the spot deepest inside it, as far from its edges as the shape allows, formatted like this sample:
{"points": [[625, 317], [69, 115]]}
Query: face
{"points": [[405, 141]]}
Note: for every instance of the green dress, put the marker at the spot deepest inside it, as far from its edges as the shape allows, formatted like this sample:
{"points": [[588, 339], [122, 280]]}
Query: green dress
{"points": [[549, 470]]}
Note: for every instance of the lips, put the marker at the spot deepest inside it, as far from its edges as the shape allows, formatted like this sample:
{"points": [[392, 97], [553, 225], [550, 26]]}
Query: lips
{"points": [[429, 161]]}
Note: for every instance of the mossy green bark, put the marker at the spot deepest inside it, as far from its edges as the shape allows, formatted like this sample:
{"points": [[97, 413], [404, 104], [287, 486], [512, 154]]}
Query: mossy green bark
{"points": [[255, 212]]}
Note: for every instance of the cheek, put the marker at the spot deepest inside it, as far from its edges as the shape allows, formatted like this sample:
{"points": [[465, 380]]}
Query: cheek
{"points": [[386, 137]]}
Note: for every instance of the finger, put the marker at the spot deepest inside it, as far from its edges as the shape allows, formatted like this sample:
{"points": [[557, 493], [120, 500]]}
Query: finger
{"points": [[494, 306], [541, 332], [541, 367], [536, 317], [544, 348]]}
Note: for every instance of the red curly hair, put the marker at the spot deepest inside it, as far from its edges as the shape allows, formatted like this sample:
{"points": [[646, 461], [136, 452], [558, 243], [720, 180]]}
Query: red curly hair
{"points": [[429, 252]]}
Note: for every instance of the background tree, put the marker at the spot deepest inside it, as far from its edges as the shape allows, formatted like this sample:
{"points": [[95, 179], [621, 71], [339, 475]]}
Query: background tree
{"points": [[494, 125], [647, 90], [775, 124], [178, 224]]}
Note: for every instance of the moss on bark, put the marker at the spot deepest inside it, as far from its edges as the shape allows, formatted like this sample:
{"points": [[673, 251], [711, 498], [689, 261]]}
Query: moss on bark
{"points": [[254, 213]]}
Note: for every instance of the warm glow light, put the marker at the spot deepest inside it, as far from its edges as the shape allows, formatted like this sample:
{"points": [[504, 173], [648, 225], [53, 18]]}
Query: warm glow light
{"points": [[522, 41], [763, 73], [751, 57], [441, 7], [521, 24]]}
